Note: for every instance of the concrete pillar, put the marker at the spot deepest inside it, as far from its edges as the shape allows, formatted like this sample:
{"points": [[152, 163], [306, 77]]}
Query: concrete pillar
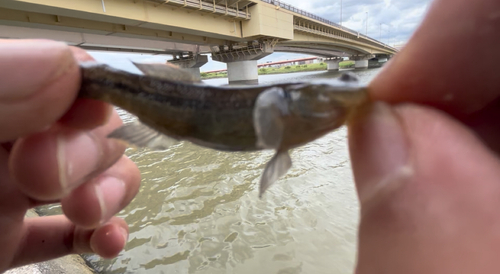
{"points": [[242, 60], [194, 71], [243, 72], [191, 64], [361, 64], [361, 61], [333, 64]]}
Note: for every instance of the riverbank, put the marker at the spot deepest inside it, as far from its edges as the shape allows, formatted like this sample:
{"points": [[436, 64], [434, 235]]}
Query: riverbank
{"points": [[283, 69], [68, 264]]}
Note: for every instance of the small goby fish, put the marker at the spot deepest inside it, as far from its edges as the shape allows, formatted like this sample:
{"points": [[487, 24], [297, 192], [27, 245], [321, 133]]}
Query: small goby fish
{"points": [[172, 105]]}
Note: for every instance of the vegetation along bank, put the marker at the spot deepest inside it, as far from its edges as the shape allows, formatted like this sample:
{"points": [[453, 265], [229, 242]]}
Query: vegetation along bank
{"points": [[282, 69]]}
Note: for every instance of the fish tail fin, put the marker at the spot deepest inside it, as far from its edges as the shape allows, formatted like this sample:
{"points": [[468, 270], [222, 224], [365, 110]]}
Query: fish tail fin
{"points": [[98, 82], [275, 168], [88, 87]]}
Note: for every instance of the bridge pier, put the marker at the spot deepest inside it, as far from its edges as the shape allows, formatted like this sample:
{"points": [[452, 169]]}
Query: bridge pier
{"points": [[378, 61], [361, 61], [190, 63], [332, 64], [242, 61], [361, 64], [243, 72]]}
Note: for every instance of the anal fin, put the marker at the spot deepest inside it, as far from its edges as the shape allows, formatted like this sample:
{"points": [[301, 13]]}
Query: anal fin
{"points": [[275, 168], [140, 135]]}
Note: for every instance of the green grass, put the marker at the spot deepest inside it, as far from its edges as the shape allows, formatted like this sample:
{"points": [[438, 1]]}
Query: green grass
{"points": [[205, 75], [284, 69]]}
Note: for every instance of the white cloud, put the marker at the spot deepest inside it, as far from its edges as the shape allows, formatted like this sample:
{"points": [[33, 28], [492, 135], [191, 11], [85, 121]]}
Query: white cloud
{"points": [[393, 21]]}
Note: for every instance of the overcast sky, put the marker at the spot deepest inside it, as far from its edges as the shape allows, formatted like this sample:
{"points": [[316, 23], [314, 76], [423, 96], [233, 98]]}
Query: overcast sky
{"points": [[390, 21]]}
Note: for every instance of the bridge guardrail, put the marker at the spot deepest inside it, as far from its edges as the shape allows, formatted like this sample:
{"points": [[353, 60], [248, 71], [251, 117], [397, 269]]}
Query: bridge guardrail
{"points": [[315, 17]]}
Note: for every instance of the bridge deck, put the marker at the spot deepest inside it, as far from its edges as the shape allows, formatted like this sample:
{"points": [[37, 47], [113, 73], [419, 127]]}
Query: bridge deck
{"points": [[115, 24]]}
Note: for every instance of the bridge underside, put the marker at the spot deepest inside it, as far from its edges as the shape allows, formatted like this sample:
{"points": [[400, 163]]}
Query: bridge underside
{"points": [[100, 42], [331, 48], [177, 27], [323, 42], [311, 51]]}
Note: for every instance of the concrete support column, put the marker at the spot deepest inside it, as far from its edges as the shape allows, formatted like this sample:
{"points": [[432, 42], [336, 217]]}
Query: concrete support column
{"points": [[333, 64], [243, 72], [242, 60], [191, 64], [378, 61], [194, 71], [361, 61], [361, 64]]}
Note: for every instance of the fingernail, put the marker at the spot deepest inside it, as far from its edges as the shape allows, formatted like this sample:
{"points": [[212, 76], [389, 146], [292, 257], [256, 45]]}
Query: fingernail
{"points": [[379, 150], [78, 155], [40, 61], [110, 193]]}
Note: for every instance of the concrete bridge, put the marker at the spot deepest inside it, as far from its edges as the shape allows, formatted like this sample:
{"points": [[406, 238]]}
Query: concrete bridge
{"points": [[236, 32]]}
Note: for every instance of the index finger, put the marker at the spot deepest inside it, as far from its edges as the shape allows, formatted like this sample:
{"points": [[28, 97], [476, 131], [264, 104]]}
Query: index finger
{"points": [[39, 81], [452, 61]]}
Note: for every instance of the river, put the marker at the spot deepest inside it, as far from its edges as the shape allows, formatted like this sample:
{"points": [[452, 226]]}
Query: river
{"points": [[198, 209]]}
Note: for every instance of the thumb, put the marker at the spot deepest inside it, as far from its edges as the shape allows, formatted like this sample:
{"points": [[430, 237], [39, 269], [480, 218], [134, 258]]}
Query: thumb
{"points": [[428, 190], [38, 82]]}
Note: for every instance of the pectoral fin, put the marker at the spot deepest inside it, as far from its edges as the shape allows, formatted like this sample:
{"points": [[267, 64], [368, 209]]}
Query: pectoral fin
{"points": [[140, 135], [167, 72], [277, 167], [270, 107]]}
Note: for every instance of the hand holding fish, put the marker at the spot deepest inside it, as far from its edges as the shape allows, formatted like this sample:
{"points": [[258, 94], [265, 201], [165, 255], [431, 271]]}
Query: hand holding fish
{"points": [[54, 149], [428, 175]]}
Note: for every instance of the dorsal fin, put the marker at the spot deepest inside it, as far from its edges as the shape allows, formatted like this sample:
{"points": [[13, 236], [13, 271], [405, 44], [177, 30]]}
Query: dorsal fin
{"points": [[167, 71]]}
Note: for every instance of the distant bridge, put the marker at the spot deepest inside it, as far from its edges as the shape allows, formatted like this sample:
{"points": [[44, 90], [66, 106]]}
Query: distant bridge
{"points": [[237, 32]]}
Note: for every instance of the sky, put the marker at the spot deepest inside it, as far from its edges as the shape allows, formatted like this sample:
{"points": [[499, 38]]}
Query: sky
{"points": [[390, 21]]}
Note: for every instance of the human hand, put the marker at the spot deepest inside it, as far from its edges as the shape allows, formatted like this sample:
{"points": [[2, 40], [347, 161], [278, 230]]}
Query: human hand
{"points": [[54, 149], [426, 168]]}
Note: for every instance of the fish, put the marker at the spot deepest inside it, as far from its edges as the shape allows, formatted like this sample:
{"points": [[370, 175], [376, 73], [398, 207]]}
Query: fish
{"points": [[172, 106]]}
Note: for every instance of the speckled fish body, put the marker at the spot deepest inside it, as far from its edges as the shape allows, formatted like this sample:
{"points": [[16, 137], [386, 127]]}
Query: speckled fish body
{"points": [[250, 118], [217, 118]]}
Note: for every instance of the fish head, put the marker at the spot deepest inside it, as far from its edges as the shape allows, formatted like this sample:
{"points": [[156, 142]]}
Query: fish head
{"points": [[288, 116], [292, 115], [317, 108]]}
